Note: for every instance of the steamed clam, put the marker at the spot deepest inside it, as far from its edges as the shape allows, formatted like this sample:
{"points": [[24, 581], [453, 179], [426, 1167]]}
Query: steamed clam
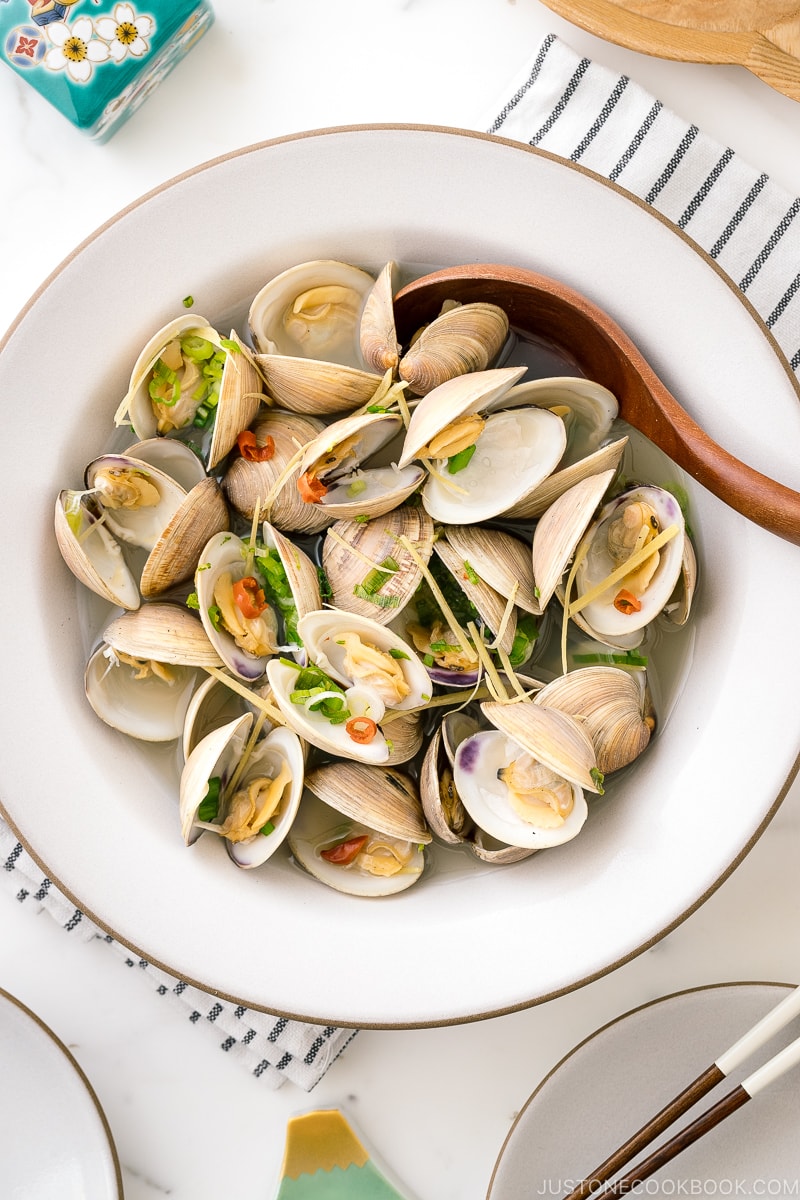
{"points": [[190, 377], [523, 782], [356, 670], [482, 459], [245, 792], [361, 830], [378, 545]]}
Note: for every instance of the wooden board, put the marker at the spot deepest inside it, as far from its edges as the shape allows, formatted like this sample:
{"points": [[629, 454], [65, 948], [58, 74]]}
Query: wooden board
{"points": [[761, 35]]}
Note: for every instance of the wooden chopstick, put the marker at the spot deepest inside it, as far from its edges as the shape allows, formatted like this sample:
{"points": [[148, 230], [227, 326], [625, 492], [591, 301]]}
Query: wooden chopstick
{"points": [[770, 1024], [739, 1095]]}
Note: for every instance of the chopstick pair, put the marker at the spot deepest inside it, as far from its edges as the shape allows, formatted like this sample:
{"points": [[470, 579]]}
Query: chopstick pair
{"points": [[765, 1029]]}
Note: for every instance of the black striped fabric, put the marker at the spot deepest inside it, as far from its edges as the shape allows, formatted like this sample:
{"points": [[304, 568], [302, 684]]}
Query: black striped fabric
{"points": [[272, 1048], [584, 112]]}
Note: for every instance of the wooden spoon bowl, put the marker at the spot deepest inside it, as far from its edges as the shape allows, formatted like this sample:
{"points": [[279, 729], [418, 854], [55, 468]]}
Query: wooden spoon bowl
{"points": [[540, 306]]}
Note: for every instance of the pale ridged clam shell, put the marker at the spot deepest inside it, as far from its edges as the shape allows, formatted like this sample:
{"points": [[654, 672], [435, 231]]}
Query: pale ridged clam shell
{"points": [[500, 559], [239, 394], [489, 603], [463, 339], [164, 632], [247, 483], [552, 737], [95, 558], [307, 385], [561, 527], [150, 709], [290, 316], [612, 705], [175, 556], [378, 337], [376, 540]]}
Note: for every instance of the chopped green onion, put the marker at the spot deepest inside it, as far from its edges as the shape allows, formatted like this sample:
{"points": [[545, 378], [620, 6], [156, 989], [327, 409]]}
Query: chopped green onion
{"points": [[357, 487], [398, 654], [215, 615], [597, 778], [231, 345], [361, 519], [267, 829], [461, 460], [527, 632], [444, 648], [325, 589], [201, 416], [192, 601], [629, 659], [376, 408], [188, 301], [428, 660], [209, 805], [375, 597], [471, 573], [196, 348]]}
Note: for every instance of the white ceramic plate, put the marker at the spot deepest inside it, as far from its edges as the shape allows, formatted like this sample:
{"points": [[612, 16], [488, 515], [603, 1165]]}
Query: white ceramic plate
{"points": [[468, 941], [55, 1139], [608, 1086]]}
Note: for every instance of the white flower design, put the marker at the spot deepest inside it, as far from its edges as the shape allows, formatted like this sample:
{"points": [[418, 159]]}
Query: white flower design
{"points": [[125, 33], [74, 49]]}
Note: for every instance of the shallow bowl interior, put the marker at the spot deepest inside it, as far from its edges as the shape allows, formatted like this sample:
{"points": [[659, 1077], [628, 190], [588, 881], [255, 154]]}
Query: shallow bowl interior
{"points": [[468, 941]]}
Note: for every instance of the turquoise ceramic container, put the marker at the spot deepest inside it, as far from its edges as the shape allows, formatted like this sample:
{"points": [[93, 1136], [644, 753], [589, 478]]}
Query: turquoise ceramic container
{"points": [[97, 60]]}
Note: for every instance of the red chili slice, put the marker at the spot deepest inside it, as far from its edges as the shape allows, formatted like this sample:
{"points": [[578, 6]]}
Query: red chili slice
{"points": [[625, 602], [250, 449], [310, 488], [249, 597], [361, 729], [344, 852]]}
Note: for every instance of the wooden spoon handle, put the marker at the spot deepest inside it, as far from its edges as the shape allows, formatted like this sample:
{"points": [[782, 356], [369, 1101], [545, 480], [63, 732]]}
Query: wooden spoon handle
{"points": [[661, 418]]}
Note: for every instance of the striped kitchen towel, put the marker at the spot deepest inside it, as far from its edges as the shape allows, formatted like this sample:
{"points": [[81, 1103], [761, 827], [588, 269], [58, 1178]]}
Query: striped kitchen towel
{"points": [[587, 113], [272, 1048]]}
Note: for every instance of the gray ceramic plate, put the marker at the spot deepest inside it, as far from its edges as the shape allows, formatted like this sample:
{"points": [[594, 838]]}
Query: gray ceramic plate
{"points": [[609, 1085]]}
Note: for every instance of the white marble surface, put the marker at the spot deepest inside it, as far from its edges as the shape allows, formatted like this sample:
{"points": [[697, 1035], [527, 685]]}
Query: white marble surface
{"points": [[188, 1122]]}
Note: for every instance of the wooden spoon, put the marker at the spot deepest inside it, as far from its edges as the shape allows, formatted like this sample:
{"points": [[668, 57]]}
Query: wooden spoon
{"points": [[538, 305]]}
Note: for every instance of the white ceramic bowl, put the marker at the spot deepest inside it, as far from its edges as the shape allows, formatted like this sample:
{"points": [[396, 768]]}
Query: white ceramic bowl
{"points": [[467, 941]]}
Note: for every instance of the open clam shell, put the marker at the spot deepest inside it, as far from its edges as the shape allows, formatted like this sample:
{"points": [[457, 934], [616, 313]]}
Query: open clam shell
{"points": [[142, 698], [552, 737], [93, 555], [337, 465], [481, 763], [138, 500], [163, 632], [597, 563], [278, 757], [514, 450], [236, 403], [312, 310], [322, 633], [246, 649], [560, 528], [378, 803], [354, 550]]}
